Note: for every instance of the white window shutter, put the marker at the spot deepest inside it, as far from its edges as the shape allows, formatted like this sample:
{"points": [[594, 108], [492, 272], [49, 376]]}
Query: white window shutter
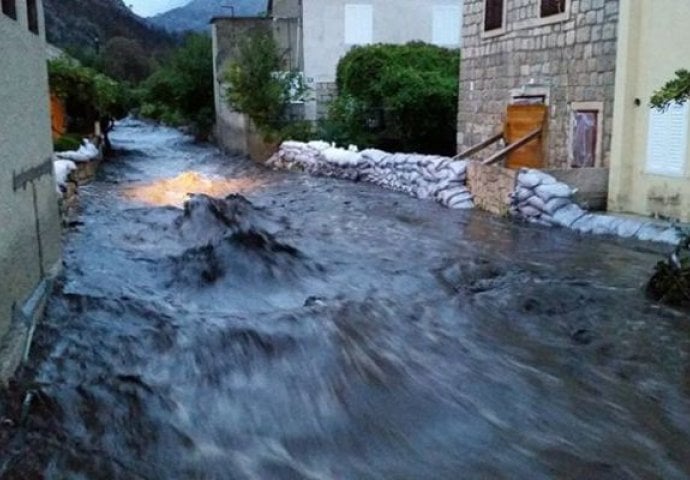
{"points": [[359, 24], [667, 141], [447, 24]]}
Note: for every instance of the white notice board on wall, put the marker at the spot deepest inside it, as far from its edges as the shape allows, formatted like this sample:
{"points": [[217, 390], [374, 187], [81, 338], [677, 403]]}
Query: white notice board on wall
{"points": [[667, 141]]}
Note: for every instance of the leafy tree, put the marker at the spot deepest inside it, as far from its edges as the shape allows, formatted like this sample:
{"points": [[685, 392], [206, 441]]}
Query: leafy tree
{"points": [[181, 90], [259, 85], [399, 97], [88, 95], [676, 90], [124, 59]]}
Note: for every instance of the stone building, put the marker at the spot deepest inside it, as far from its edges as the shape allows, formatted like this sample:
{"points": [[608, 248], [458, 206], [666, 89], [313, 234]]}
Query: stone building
{"points": [[29, 217], [558, 52]]}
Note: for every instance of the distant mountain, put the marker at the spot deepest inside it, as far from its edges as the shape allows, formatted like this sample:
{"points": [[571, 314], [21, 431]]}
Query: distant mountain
{"points": [[197, 14], [72, 23]]}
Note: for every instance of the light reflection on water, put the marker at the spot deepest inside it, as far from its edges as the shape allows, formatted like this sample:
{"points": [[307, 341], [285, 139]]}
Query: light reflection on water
{"points": [[174, 191]]}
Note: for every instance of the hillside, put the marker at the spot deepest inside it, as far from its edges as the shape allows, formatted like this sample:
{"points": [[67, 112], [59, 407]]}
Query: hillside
{"points": [[198, 13], [79, 22]]}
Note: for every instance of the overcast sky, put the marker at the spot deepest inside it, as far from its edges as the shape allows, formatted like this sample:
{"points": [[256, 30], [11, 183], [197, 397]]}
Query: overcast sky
{"points": [[146, 8]]}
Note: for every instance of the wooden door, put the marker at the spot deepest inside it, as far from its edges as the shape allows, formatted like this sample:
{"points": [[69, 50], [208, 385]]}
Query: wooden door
{"points": [[521, 120], [58, 116]]}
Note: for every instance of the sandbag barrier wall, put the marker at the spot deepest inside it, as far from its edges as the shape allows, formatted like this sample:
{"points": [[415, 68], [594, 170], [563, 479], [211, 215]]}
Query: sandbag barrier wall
{"points": [[72, 169], [539, 198], [422, 176]]}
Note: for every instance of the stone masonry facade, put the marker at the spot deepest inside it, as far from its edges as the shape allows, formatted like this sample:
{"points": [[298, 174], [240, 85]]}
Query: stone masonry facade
{"points": [[569, 58], [324, 93], [491, 186]]}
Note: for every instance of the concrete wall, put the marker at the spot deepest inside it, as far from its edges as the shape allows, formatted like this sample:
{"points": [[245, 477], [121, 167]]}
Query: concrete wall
{"points": [[232, 129], [652, 41], [29, 217], [398, 22], [286, 9], [569, 58]]}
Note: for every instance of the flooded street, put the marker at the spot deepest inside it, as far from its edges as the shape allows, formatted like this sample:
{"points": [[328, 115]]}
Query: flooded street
{"points": [[324, 329]]}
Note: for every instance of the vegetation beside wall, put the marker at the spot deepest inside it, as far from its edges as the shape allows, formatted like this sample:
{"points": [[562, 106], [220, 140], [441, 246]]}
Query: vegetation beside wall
{"points": [[259, 86], [67, 142], [397, 97], [181, 90], [671, 280], [676, 90], [89, 96]]}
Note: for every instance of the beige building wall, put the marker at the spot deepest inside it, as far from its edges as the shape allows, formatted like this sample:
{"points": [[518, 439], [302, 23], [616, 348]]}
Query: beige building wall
{"points": [[29, 218], [652, 45], [397, 22]]}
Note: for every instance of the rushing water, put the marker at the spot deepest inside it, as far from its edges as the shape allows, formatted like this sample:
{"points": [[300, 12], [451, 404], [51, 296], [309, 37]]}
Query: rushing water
{"points": [[333, 330]]}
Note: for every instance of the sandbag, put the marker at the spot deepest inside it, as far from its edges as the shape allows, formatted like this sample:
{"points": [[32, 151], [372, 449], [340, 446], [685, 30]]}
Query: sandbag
{"points": [[529, 211], [529, 180], [547, 192], [555, 204], [537, 203], [522, 194], [568, 215]]}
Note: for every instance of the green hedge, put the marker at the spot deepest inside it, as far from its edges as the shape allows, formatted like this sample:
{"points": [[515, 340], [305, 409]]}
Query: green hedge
{"points": [[67, 142], [397, 97]]}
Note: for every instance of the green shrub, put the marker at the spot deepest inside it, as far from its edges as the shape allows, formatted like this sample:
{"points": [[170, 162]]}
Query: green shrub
{"points": [[259, 86], [67, 143], [670, 282], [676, 90], [396, 97], [181, 90]]}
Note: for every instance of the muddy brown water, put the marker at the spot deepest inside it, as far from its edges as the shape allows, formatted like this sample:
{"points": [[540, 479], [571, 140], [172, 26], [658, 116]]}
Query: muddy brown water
{"points": [[334, 330]]}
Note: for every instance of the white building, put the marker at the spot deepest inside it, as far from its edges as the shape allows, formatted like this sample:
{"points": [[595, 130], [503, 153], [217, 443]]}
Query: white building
{"points": [[331, 27], [29, 217]]}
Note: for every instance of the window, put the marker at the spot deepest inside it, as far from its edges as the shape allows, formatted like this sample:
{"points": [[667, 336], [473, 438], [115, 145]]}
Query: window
{"points": [[552, 7], [359, 24], [493, 15], [32, 13], [446, 25], [9, 8], [667, 141], [584, 138], [586, 134]]}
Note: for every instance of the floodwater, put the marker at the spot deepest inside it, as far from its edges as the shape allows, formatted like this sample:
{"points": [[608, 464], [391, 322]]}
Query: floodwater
{"points": [[320, 329]]}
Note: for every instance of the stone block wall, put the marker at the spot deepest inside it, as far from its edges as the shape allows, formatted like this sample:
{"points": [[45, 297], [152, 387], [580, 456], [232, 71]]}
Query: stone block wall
{"points": [[491, 186], [324, 93], [571, 59]]}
